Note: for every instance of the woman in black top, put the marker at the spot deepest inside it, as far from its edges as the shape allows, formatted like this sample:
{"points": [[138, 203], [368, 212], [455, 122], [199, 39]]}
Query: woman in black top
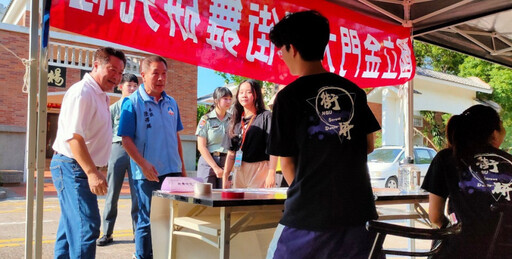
{"points": [[246, 141], [474, 173]]}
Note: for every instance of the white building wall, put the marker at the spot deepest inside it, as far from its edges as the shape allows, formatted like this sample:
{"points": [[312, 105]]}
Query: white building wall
{"points": [[436, 95], [430, 95], [392, 122]]}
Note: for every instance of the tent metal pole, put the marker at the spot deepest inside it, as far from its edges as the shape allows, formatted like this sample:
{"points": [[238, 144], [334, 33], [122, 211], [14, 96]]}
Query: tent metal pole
{"points": [[409, 133], [30, 147], [41, 139], [409, 127]]}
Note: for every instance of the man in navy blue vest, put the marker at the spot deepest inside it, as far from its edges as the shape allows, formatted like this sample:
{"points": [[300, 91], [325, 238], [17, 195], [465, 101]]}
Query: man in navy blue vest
{"points": [[149, 125]]}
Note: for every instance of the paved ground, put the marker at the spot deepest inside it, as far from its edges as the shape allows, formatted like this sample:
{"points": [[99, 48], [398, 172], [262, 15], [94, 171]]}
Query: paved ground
{"points": [[13, 216]]}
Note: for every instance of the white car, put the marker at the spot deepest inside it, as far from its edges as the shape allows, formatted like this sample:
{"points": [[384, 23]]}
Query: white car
{"points": [[383, 164]]}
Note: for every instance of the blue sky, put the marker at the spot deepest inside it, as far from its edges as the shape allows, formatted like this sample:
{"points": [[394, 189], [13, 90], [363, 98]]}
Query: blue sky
{"points": [[5, 2], [207, 81]]}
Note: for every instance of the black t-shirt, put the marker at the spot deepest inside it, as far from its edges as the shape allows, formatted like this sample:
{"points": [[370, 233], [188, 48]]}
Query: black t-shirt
{"points": [[472, 186], [255, 143], [322, 121]]}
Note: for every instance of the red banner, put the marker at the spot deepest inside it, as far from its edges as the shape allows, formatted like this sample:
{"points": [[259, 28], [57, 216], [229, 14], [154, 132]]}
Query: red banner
{"points": [[233, 35]]}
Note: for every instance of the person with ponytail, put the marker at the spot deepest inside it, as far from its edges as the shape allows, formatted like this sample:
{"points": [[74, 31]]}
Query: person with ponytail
{"points": [[210, 132], [247, 141], [473, 173]]}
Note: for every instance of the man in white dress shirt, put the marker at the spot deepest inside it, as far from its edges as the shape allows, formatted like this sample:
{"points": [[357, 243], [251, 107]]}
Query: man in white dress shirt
{"points": [[82, 145]]}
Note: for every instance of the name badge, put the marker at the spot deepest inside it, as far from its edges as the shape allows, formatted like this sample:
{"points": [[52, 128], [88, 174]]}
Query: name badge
{"points": [[238, 158]]}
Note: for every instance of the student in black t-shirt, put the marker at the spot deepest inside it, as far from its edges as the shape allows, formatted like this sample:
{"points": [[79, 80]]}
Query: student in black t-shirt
{"points": [[474, 174], [246, 141], [322, 130]]}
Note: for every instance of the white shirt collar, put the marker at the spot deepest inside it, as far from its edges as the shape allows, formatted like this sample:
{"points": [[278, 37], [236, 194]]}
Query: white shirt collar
{"points": [[89, 80]]}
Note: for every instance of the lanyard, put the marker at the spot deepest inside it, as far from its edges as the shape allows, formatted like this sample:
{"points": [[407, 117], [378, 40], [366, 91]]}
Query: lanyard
{"points": [[244, 132]]}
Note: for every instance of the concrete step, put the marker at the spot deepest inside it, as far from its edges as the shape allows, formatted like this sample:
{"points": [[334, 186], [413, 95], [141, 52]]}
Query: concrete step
{"points": [[11, 176]]}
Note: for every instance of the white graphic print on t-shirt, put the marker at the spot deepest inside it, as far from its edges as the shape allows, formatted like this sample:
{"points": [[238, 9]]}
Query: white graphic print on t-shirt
{"points": [[496, 172], [335, 109]]}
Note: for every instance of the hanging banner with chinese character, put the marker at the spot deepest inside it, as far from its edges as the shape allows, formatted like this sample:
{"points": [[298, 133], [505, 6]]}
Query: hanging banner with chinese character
{"points": [[233, 35]]}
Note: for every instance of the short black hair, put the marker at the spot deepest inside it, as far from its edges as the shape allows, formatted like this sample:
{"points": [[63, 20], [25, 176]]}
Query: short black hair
{"points": [[146, 62], [307, 31], [220, 92], [103, 55], [129, 78]]}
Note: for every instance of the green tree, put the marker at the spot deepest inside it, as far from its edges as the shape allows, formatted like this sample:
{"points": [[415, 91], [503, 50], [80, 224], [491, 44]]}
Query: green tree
{"points": [[434, 130], [498, 77], [229, 78], [476, 67], [202, 109], [437, 58], [501, 79], [378, 139]]}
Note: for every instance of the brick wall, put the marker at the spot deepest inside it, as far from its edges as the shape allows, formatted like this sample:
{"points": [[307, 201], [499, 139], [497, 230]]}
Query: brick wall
{"points": [[181, 83], [26, 18], [13, 102]]}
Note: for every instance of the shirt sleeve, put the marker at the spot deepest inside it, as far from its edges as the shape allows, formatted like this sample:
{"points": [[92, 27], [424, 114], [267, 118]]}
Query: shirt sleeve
{"points": [[268, 121], [128, 120], [268, 124], [179, 124], [78, 111], [232, 143], [281, 140], [202, 127], [436, 178]]}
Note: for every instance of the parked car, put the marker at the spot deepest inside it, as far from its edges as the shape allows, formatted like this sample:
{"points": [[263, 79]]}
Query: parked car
{"points": [[383, 164]]}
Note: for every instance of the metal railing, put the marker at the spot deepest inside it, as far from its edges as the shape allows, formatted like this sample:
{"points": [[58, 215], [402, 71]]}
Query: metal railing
{"points": [[72, 56]]}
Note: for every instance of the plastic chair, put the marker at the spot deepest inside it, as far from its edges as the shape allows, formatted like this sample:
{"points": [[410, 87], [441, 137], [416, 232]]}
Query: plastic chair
{"points": [[501, 244], [383, 229]]}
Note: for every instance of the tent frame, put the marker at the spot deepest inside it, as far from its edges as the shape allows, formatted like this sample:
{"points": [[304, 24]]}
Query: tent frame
{"points": [[457, 28]]}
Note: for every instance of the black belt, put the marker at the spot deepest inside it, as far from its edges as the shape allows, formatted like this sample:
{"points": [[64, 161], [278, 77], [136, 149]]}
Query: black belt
{"points": [[219, 154]]}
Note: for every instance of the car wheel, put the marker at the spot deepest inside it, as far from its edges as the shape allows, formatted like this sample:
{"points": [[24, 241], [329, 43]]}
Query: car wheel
{"points": [[392, 182]]}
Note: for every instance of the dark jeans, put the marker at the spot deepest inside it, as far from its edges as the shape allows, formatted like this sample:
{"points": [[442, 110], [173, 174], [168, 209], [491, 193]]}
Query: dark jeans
{"points": [[144, 190], [79, 224]]}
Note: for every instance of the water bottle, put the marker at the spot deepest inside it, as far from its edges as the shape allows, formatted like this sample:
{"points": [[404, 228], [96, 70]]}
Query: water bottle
{"points": [[416, 179], [403, 177], [409, 177]]}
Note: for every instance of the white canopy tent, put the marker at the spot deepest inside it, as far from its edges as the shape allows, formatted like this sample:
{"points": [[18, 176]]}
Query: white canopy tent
{"points": [[474, 27]]}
